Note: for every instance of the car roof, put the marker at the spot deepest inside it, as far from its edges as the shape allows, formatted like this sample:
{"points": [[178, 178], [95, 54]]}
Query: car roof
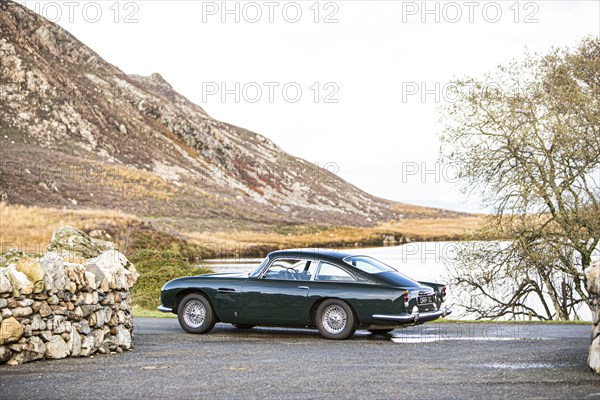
{"points": [[322, 254]]}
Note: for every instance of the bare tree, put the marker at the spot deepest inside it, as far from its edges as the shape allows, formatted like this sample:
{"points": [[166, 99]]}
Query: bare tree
{"points": [[528, 138]]}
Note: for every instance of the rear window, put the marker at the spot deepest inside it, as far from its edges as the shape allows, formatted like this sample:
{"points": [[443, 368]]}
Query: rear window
{"points": [[368, 264], [373, 266]]}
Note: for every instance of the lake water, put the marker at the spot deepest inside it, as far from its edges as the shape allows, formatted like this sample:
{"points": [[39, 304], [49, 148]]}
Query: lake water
{"points": [[423, 261]]}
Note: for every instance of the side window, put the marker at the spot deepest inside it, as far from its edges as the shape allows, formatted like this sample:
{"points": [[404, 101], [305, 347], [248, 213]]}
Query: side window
{"points": [[291, 269], [330, 272]]}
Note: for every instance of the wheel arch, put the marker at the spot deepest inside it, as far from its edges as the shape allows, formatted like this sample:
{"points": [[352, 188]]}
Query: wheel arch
{"points": [[181, 294], [312, 316]]}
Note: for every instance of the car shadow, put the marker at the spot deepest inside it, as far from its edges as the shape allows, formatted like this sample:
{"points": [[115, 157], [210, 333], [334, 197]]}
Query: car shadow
{"points": [[266, 332]]}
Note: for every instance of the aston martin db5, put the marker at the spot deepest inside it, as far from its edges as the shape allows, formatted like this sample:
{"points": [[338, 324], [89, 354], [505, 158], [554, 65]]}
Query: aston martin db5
{"points": [[333, 291]]}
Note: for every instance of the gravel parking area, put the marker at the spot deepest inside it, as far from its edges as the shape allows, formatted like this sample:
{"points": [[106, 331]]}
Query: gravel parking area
{"points": [[440, 361]]}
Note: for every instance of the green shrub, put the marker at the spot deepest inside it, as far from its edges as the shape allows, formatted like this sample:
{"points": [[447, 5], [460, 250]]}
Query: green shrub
{"points": [[150, 239], [157, 267]]}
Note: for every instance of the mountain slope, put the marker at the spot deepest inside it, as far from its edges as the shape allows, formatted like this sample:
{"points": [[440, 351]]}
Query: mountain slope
{"points": [[77, 132]]}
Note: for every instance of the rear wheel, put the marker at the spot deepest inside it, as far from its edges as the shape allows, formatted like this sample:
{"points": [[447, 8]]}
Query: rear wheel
{"points": [[335, 319], [195, 314], [380, 331], [244, 326]]}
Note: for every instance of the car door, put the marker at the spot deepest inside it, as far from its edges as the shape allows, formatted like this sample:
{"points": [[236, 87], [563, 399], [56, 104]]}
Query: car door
{"points": [[279, 295]]}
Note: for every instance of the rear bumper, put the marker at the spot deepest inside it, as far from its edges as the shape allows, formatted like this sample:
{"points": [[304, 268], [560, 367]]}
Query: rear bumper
{"points": [[164, 309], [414, 317]]}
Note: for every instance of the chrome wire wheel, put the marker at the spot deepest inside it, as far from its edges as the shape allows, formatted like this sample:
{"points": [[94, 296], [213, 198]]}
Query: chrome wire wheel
{"points": [[334, 319], [194, 313]]}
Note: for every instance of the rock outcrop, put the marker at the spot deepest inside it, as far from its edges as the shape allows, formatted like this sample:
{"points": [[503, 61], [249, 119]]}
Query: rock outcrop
{"points": [[78, 132], [592, 275], [72, 301]]}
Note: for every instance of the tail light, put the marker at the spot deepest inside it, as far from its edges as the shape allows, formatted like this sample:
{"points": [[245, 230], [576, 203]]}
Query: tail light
{"points": [[444, 291], [406, 295]]}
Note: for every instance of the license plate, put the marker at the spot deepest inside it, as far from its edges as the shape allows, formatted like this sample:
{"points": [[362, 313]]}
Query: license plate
{"points": [[425, 299]]}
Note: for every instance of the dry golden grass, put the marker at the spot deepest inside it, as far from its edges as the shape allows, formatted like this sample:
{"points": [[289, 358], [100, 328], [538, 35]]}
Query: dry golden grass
{"points": [[27, 227], [424, 229], [135, 182], [412, 229], [33, 226], [412, 209]]}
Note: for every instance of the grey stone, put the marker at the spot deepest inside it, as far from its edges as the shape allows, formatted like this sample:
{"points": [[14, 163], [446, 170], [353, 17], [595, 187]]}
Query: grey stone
{"points": [[45, 310], [5, 283], [74, 343], [52, 263], [27, 331], [33, 350], [5, 354], [45, 335], [117, 270], [91, 343], [96, 271], [36, 306], [21, 311], [77, 314], [59, 310], [78, 300], [19, 281], [77, 242], [592, 274], [84, 328], [87, 310], [25, 303], [124, 339], [37, 323], [57, 348], [88, 298]]}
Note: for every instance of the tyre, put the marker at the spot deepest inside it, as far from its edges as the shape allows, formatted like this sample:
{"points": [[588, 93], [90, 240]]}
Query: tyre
{"points": [[195, 314], [244, 326], [379, 331], [335, 319]]}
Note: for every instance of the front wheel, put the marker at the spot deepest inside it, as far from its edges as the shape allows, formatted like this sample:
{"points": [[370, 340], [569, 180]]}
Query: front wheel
{"points": [[335, 320], [195, 314]]}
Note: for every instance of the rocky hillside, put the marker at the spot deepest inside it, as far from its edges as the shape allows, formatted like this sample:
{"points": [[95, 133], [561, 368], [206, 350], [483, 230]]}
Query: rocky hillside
{"points": [[77, 132]]}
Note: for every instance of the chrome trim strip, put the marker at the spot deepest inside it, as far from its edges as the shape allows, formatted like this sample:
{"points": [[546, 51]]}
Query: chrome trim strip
{"points": [[431, 314], [162, 308], [399, 318], [415, 316]]}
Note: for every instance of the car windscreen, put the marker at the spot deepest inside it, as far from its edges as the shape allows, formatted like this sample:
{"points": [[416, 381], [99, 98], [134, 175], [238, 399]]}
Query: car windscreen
{"points": [[258, 269], [373, 266]]}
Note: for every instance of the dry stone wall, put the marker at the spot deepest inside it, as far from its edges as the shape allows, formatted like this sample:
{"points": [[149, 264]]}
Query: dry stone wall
{"points": [[72, 301], [592, 275]]}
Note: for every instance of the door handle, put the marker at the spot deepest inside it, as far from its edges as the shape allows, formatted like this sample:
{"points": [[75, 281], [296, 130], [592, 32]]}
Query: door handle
{"points": [[225, 290], [302, 287]]}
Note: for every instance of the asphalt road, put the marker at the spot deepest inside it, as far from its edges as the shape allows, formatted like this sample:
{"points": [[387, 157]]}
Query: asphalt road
{"points": [[434, 361]]}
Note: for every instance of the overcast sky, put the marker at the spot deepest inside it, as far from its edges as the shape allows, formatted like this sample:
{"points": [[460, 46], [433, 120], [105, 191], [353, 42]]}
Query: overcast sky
{"points": [[371, 73]]}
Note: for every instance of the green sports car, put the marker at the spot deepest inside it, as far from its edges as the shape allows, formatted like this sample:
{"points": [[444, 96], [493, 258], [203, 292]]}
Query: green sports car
{"points": [[332, 290]]}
